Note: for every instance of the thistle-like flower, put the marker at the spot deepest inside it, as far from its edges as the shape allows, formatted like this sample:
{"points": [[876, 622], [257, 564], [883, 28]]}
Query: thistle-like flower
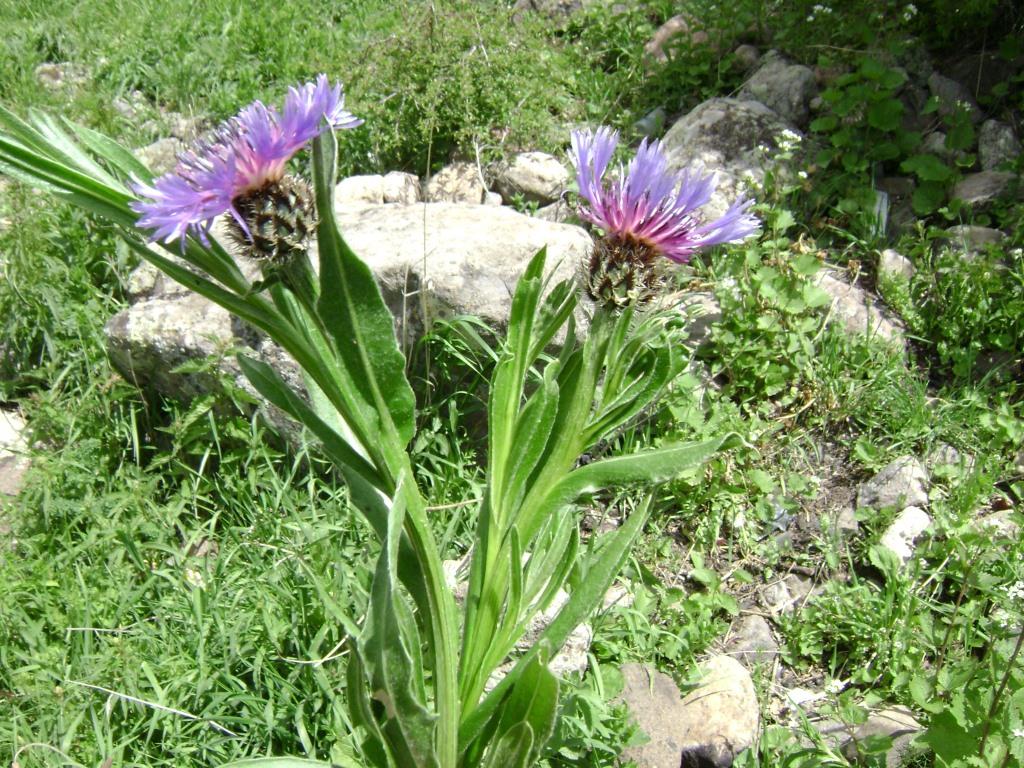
{"points": [[239, 169], [647, 212]]}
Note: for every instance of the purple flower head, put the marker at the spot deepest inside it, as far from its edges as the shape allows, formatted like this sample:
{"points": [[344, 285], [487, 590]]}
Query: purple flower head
{"points": [[241, 156], [649, 203]]}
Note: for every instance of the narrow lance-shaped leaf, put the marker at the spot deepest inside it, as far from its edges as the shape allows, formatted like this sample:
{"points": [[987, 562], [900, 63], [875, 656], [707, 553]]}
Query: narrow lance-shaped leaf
{"points": [[581, 603], [393, 676], [353, 310], [657, 465]]}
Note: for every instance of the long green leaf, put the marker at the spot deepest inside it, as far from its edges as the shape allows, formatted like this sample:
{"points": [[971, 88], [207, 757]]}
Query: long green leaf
{"points": [[118, 156], [288, 762], [656, 465], [353, 310], [269, 384], [385, 646], [581, 604]]}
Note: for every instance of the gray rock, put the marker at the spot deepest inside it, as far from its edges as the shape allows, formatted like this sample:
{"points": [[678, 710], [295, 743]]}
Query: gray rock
{"points": [[368, 188], [431, 260], [997, 144], [536, 176], [559, 212], [652, 124], [896, 186], [556, 10], [895, 265], [703, 311], [903, 481], [492, 198], [944, 455], [456, 183], [999, 525], [752, 641], [934, 143], [726, 136], [747, 56], [953, 96], [14, 459], [982, 187], [858, 311], [784, 595], [402, 188], [901, 535], [786, 87], [708, 727], [161, 156], [971, 238], [896, 723], [58, 75], [443, 259]]}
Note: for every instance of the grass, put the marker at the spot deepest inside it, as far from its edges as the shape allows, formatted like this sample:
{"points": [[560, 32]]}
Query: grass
{"points": [[172, 595]]}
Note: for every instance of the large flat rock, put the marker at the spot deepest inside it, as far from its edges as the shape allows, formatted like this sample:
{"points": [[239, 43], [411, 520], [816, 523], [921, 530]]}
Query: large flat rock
{"points": [[432, 260]]}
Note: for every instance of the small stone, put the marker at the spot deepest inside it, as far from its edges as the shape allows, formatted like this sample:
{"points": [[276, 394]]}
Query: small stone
{"points": [[708, 727], [535, 176], [982, 187], [953, 96], [752, 641], [896, 186], [999, 525], [997, 144], [777, 597], [799, 698], [161, 156], [559, 212], [895, 265], [971, 238], [944, 455], [735, 138], [747, 56], [401, 188], [903, 481], [492, 199], [896, 723], [57, 75], [900, 536], [14, 460], [856, 310], [368, 189], [652, 124], [702, 311], [846, 521], [456, 183], [785, 87]]}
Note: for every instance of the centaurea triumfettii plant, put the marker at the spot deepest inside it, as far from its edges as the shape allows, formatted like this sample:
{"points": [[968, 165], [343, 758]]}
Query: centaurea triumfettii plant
{"points": [[421, 687]]}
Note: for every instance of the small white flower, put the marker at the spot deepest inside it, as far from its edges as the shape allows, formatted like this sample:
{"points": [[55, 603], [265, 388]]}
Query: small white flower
{"points": [[802, 174], [1016, 591], [1017, 733], [194, 578], [835, 686], [911, 10]]}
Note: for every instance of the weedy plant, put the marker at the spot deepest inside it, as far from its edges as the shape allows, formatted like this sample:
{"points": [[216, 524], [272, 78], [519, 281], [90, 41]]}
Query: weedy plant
{"points": [[422, 688]]}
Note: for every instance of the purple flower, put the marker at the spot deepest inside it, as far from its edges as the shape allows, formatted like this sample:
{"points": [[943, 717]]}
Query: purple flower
{"points": [[649, 203], [243, 155]]}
